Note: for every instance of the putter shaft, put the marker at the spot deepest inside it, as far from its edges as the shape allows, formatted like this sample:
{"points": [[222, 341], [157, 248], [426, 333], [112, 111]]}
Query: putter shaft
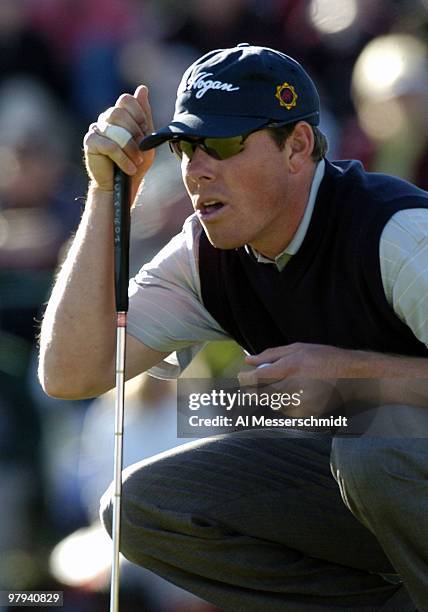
{"points": [[118, 457]]}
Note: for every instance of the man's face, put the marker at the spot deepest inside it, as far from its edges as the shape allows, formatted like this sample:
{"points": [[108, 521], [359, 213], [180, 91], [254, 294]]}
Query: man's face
{"points": [[253, 191]]}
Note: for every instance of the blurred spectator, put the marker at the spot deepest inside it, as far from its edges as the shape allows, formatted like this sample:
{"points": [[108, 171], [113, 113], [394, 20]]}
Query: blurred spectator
{"points": [[210, 25], [390, 88], [158, 64], [36, 180], [25, 52], [87, 35], [69, 24], [36, 216]]}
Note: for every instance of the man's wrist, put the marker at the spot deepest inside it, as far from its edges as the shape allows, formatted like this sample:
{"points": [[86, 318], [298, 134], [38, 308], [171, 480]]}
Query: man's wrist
{"points": [[98, 199], [369, 364], [94, 188]]}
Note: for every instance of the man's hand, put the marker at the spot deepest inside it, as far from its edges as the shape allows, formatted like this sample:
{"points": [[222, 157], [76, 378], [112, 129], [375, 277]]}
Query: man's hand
{"points": [[133, 114], [309, 368], [323, 362], [299, 360], [378, 378]]}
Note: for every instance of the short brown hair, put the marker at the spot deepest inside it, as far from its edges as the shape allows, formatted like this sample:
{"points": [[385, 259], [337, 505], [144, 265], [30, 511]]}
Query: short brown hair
{"points": [[280, 135]]}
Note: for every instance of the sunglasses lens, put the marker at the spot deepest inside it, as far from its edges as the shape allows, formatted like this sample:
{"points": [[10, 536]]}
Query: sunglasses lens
{"points": [[174, 145], [219, 148], [223, 148], [182, 147], [187, 148]]}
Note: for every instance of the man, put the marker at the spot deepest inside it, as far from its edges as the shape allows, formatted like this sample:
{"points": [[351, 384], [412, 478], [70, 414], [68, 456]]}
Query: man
{"points": [[318, 270]]}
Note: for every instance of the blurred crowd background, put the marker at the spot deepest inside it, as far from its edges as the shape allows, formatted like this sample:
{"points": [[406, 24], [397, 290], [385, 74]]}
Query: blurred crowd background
{"points": [[62, 62]]}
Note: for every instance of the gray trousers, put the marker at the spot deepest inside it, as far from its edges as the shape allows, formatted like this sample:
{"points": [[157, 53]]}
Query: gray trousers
{"points": [[255, 521]]}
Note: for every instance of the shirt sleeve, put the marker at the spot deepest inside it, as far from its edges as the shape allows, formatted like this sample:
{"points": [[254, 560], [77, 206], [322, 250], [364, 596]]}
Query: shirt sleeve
{"points": [[165, 307], [404, 268]]}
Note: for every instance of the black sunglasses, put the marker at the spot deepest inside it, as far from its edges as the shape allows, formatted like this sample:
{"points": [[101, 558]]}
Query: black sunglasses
{"points": [[219, 148]]}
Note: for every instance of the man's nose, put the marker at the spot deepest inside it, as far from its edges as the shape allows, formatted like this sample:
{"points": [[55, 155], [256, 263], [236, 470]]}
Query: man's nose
{"points": [[201, 166]]}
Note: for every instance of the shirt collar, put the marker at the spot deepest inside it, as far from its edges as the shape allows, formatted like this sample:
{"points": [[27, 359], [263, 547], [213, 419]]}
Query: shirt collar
{"points": [[296, 242]]}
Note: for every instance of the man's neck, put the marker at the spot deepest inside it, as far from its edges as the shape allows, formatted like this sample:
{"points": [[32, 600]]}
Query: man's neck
{"points": [[294, 230]]}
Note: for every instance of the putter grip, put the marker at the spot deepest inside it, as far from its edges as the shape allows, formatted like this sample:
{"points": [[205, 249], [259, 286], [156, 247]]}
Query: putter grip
{"points": [[121, 229]]}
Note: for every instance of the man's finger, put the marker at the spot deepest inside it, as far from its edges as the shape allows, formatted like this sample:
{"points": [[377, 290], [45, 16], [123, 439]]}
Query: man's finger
{"points": [[269, 355], [142, 95], [135, 109], [264, 373], [122, 118], [97, 144]]}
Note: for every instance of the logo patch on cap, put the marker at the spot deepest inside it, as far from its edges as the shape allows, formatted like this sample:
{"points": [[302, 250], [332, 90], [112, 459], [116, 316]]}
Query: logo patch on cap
{"points": [[286, 95]]}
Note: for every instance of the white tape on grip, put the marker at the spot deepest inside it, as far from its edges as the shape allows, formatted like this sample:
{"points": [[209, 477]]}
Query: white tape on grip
{"points": [[118, 134]]}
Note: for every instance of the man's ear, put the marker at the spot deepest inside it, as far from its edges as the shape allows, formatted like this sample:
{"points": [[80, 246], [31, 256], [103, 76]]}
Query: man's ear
{"points": [[300, 145]]}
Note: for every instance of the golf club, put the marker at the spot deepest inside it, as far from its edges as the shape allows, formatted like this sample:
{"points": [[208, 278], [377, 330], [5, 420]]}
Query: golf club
{"points": [[121, 228]]}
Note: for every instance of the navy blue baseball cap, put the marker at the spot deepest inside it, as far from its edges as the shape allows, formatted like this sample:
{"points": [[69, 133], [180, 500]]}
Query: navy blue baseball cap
{"points": [[228, 92]]}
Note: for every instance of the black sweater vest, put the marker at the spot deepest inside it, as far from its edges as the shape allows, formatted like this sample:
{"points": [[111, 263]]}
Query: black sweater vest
{"points": [[331, 291]]}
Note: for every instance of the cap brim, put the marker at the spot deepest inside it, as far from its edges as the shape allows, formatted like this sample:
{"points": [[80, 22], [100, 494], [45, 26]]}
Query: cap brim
{"points": [[202, 126]]}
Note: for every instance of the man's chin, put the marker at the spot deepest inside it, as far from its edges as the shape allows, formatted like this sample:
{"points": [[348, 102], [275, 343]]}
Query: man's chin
{"points": [[223, 242]]}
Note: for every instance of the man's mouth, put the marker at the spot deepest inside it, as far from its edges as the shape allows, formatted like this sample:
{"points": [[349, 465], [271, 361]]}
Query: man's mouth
{"points": [[210, 208], [212, 205]]}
